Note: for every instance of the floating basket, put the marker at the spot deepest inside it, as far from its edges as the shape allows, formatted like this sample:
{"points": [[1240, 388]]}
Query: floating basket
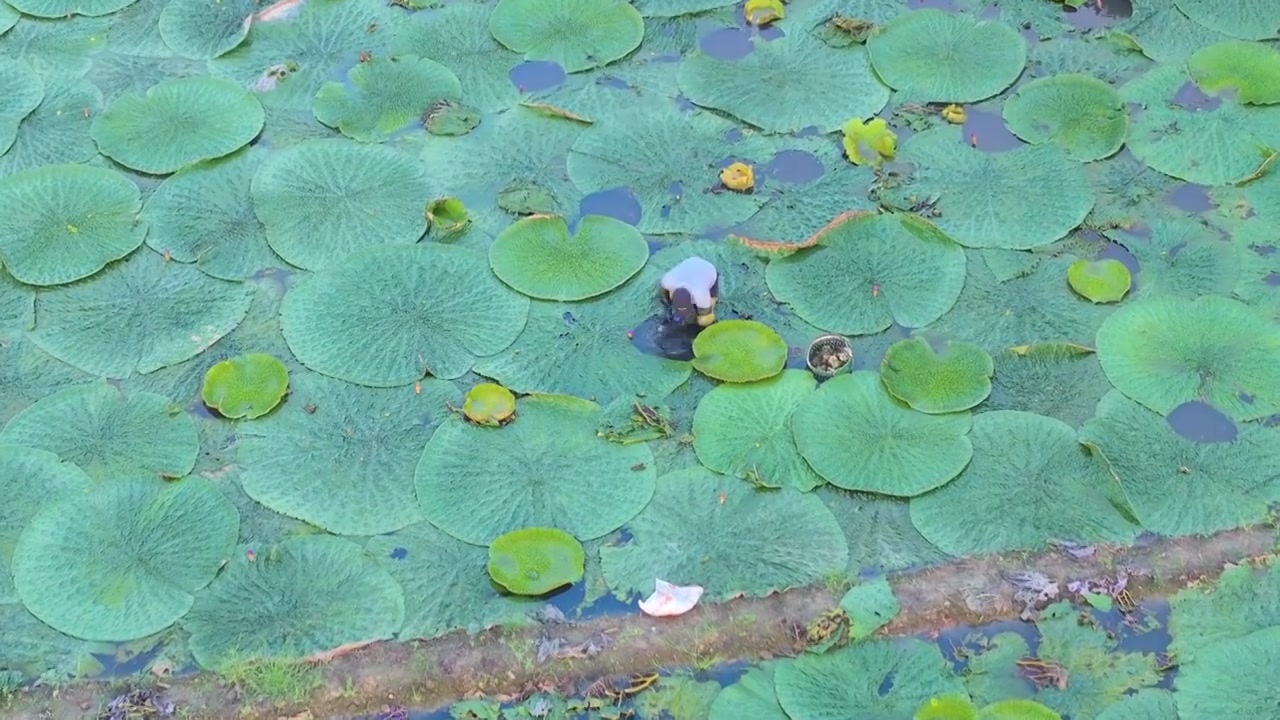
{"points": [[822, 349]]}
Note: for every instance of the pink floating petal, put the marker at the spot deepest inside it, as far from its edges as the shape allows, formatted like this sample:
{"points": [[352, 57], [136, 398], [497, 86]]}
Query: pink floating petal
{"points": [[668, 599]]}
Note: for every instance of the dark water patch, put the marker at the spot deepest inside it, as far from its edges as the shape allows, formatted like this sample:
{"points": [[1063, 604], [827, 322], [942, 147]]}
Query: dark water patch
{"points": [[536, 75], [794, 166], [733, 135], [619, 203], [987, 132], [1115, 251], [684, 104], [127, 660], [1136, 230], [1028, 33], [1272, 279], [1190, 198], [810, 131], [1200, 422], [733, 43], [1264, 250], [676, 191], [1098, 14], [1190, 97], [657, 336], [947, 5], [615, 83], [961, 642]]}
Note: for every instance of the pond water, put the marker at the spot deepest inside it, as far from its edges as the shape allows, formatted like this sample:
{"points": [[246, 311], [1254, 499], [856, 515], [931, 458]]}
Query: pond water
{"points": [[306, 308]]}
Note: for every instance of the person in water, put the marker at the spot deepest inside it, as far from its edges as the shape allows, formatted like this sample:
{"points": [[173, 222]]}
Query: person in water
{"points": [[691, 290]]}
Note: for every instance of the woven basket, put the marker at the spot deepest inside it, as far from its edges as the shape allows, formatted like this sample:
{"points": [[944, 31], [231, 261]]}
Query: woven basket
{"points": [[823, 345]]}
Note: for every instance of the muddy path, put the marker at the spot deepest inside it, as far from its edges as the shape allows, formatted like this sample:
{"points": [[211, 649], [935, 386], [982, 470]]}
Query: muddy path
{"points": [[506, 664]]}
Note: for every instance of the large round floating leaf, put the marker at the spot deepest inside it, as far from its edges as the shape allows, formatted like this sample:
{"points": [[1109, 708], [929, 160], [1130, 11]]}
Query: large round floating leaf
{"points": [[546, 469], [876, 679], [351, 474], [1211, 143], [29, 480], [538, 257], [1030, 481], [57, 130], [787, 84], [1165, 351], [457, 36], [121, 562], [1245, 19], [868, 272], [946, 378], [1057, 379], [177, 123], [246, 386], [935, 56], [202, 30], [1231, 678], [107, 433], [751, 696], [667, 157], [1250, 69], [21, 91], [304, 596], [1080, 113], [578, 34], [139, 315], [718, 532], [745, 430], [204, 215], [1019, 199], [321, 200], [535, 560], [858, 437], [67, 8], [739, 351], [402, 311], [384, 95], [1178, 487], [60, 223], [1100, 281]]}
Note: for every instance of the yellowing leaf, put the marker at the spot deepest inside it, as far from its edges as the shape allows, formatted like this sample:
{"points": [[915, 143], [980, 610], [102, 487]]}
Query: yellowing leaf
{"points": [[739, 177], [953, 114], [763, 12], [870, 142]]}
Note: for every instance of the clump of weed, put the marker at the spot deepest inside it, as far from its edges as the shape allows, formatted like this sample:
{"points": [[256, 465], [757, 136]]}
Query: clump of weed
{"points": [[276, 679]]}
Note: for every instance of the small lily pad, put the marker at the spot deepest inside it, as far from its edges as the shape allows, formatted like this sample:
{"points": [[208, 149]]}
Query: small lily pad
{"points": [[489, 404], [447, 215], [578, 34], [1251, 69], [1100, 281], [248, 386], [384, 95], [955, 376], [536, 560], [538, 257], [739, 351]]}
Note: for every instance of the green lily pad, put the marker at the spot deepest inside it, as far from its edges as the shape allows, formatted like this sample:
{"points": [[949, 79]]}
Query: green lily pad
{"points": [[1165, 351], [489, 404], [203, 30], [952, 706], [107, 433], [123, 561], [405, 311], [1230, 678], [447, 216], [1218, 144], [745, 431], [879, 530], [444, 585], [751, 696], [577, 34], [204, 215], [858, 437], [1029, 472], [546, 470], [248, 386], [322, 200], [139, 315], [1183, 257], [60, 223], [538, 257], [1146, 704], [870, 606], [306, 595], [1178, 487], [787, 84], [1080, 113], [457, 36], [951, 377], [1250, 69], [650, 152], [61, 46], [1243, 600], [177, 123], [1099, 672], [880, 679], [384, 95], [67, 8], [935, 56], [21, 91], [1099, 281], [706, 529], [739, 351], [1061, 380], [1021, 199], [57, 131], [1247, 19], [29, 479], [1017, 709], [535, 560], [870, 271]]}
